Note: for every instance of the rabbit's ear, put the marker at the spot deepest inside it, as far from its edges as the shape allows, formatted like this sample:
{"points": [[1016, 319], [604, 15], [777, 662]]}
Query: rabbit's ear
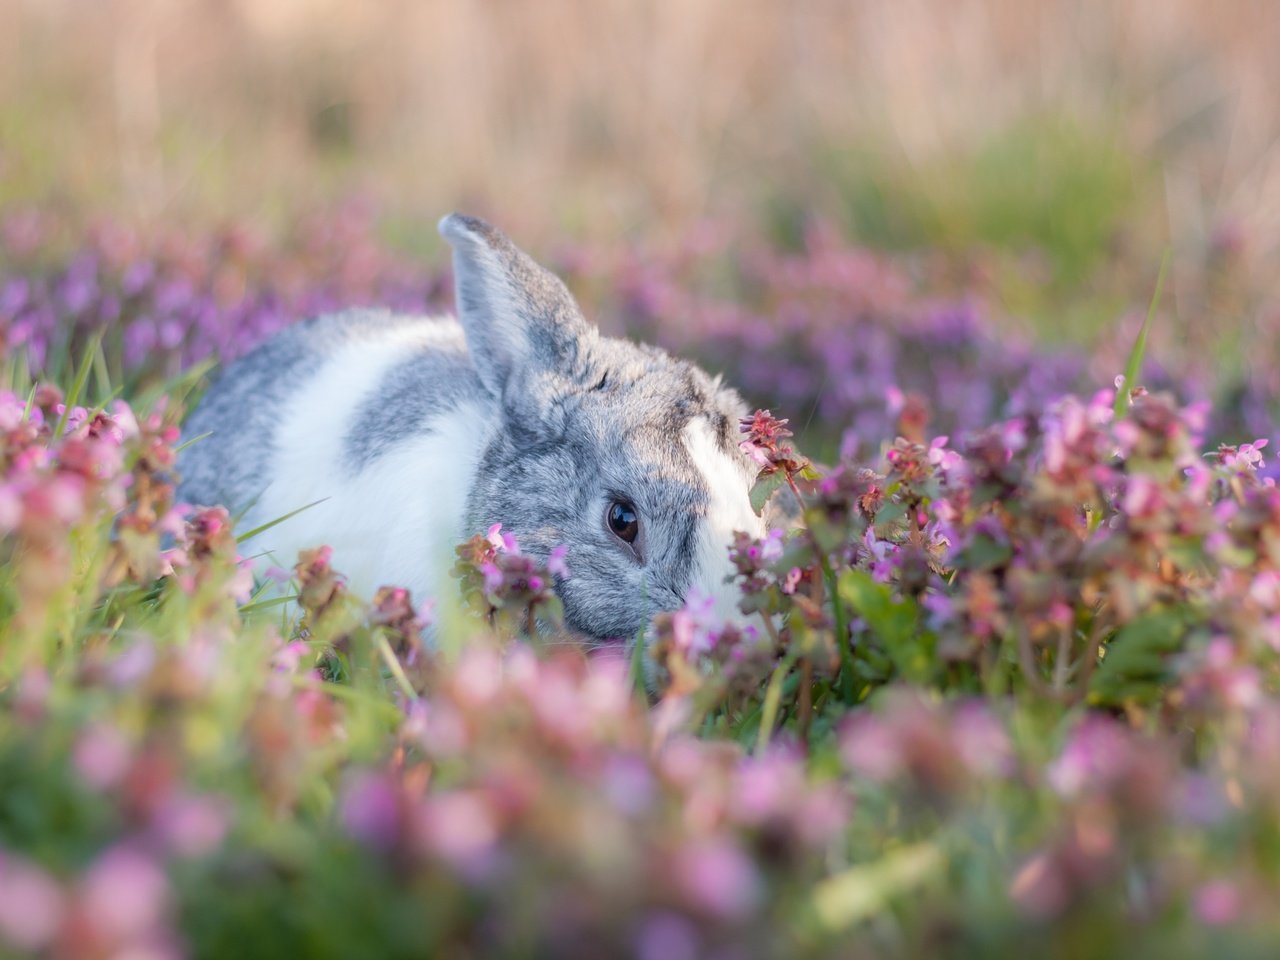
{"points": [[520, 320]]}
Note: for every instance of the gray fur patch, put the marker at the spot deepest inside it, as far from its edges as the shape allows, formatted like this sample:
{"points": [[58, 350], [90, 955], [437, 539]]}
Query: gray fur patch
{"points": [[417, 390], [625, 440], [243, 406]]}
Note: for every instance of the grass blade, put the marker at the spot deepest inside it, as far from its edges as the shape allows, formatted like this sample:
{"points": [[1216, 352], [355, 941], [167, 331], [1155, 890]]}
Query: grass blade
{"points": [[271, 523], [772, 701], [848, 898], [77, 386], [1134, 366], [196, 439], [255, 606]]}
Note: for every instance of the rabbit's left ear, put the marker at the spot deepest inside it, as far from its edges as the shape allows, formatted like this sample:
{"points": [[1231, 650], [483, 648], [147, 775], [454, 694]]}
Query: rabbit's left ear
{"points": [[520, 320]]}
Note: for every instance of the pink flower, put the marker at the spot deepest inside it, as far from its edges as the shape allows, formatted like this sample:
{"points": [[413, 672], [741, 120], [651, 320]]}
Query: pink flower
{"points": [[288, 658], [10, 507], [1143, 497], [502, 541], [460, 828], [493, 578], [771, 547], [101, 756], [278, 574], [695, 626], [870, 747], [124, 893], [370, 810], [556, 564], [192, 826], [718, 877], [32, 905], [951, 463], [882, 553], [758, 455], [1096, 752], [981, 741], [1217, 903]]}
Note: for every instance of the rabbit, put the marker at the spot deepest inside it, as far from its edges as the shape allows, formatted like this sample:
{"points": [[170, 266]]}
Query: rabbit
{"points": [[415, 432]]}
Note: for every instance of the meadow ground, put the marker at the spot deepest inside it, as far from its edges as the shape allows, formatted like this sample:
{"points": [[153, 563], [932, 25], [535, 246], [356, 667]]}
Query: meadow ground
{"points": [[1006, 268]]}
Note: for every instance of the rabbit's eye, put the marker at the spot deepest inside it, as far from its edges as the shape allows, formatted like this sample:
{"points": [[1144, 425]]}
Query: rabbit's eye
{"points": [[623, 521]]}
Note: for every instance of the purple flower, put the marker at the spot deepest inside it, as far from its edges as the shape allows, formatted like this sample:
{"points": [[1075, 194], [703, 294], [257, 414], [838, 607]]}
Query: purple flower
{"points": [[556, 564], [695, 627], [370, 810], [667, 936], [502, 541]]}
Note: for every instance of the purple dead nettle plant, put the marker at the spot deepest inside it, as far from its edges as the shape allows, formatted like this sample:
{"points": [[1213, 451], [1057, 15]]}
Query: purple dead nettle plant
{"points": [[512, 592]]}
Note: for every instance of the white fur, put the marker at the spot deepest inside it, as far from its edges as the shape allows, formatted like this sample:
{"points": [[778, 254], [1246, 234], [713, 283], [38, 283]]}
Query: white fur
{"points": [[376, 538], [729, 511]]}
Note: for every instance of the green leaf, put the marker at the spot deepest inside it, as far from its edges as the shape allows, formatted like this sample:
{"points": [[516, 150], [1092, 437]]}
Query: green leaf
{"points": [[1134, 366], [894, 622], [984, 553], [1136, 657], [891, 511], [852, 896], [766, 486]]}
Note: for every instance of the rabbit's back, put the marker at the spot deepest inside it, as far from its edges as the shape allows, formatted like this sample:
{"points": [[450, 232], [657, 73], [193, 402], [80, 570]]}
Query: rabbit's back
{"points": [[378, 416]]}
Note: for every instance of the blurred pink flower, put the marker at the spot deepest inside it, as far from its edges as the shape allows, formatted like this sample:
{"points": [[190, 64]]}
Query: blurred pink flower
{"points": [[101, 756], [192, 825], [1039, 887], [1096, 752], [718, 877], [870, 747], [1217, 903], [667, 936], [556, 564], [370, 809], [32, 905], [124, 893], [460, 828], [981, 740]]}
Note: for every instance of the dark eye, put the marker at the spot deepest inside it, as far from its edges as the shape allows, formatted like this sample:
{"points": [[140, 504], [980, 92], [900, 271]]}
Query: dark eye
{"points": [[623, 521]]}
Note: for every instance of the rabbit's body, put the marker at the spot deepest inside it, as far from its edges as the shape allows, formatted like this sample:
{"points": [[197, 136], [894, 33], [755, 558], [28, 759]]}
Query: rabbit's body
{"points": [[303, 420], [414, 433]]}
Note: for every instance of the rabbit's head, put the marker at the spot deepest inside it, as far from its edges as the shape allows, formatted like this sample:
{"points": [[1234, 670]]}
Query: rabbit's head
{"points": [[622, 453]]}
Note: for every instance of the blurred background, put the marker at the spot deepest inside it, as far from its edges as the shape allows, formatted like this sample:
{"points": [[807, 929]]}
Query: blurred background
{"points": [[1033, 159]]}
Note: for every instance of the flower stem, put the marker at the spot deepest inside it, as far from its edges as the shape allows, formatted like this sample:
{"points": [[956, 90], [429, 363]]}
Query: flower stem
{"points": [[837, 609]]}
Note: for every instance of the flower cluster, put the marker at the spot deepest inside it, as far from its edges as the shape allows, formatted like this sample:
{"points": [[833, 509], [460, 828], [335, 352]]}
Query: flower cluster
{"points": [[1016, 684], [619, 837], [166, 303], [510, 589], [837, 333]]}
